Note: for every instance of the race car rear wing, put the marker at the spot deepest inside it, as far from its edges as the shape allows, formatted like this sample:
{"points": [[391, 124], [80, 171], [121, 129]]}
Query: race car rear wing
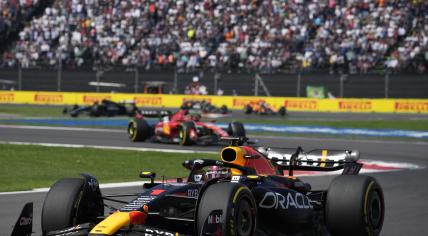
{"points": [[154, 113], [315, 160]]}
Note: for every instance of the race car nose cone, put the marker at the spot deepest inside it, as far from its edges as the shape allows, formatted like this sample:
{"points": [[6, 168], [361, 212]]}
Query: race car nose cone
{"points": [[137, 217]]}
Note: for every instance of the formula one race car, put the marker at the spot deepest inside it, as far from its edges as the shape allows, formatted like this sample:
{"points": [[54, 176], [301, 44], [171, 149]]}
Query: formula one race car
{"points": [[249, 192], [204, 106], [263, 108], [105, 108], [184, 127]]}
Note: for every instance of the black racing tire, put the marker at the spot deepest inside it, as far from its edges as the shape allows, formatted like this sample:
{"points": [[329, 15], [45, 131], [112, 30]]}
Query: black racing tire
{"points": [[224, 109], [61, 205], [355, 206], [231, 207], [236, 129], [139, 130], [248, 109], [184, 133], [282, 111]]}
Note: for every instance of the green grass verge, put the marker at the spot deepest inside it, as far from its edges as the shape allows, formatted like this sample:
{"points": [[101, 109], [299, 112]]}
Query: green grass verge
{"points": [[25, 167], [32, 110], [421, 125]]}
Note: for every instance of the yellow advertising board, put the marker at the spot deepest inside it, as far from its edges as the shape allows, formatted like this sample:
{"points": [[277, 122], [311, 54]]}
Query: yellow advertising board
{"points": [[232, 102]]}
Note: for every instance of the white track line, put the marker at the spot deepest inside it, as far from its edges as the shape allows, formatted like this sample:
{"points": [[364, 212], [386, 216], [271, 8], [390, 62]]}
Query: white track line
{"points": [[60, 128], [102, 186], [340, 139], [109, 147]]}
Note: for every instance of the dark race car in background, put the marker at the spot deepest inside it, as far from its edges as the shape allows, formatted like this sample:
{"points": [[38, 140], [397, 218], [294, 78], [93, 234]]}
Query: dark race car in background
{"points": [[184, 127], [249, 192], [206, 107], [263, 108], [103, 108]]}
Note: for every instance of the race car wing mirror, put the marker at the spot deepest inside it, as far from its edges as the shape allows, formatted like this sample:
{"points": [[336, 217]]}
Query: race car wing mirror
{"points": [[148, 175]]}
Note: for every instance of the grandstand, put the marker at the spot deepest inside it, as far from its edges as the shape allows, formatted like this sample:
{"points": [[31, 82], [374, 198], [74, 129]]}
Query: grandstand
{"points": [[275, 36], [355, 35]]}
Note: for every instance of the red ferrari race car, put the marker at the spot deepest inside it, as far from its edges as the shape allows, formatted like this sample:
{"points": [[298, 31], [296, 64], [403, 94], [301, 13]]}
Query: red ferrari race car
{"points": [[183, 127], [263, 108]]}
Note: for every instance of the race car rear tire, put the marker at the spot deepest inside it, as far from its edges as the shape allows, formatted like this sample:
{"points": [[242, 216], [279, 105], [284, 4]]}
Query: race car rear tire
{"points": [[139, 130], [224, 109], [184, 133], [282, 111], [354, 206], [227, 206], [248, 109], [236, 129], [61, 205]]}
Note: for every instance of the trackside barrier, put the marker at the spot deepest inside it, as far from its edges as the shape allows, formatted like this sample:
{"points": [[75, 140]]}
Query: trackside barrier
{"points": [[232, 102]]}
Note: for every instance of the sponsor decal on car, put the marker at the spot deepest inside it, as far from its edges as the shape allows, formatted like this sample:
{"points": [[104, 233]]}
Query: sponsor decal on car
{"points": [[411, 107], [7, 97], [24, 221], [157, 232], [274, 200], [193, 192], [48, 98]]}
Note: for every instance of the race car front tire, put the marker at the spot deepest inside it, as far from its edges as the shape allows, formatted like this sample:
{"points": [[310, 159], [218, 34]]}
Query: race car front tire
{"points": [[139, 130], [248, 109], [354, 206], [184, 133], [61, 205], [282, 111], [236, 129], [228, 208]]}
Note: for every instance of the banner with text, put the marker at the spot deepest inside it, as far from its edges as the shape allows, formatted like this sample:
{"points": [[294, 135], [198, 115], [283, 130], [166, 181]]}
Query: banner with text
{"points": [[232, 102]]}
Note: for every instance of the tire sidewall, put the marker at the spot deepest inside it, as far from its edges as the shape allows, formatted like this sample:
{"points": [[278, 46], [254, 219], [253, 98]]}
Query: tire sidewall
{"points": [[349, 199], [227, 197]]}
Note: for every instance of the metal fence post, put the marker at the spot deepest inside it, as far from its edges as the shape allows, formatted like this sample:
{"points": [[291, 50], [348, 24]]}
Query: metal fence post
{"points": [[342, 79], [137, 80], [217, 77], [387, 85], [175, 89], [256, 86], [19, 75], [59, 74], [98, 75]]}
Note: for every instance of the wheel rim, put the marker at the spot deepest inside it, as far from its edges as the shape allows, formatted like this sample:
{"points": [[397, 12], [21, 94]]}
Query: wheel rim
{"points": [[244, 218], [132, 130], [375, 213]]}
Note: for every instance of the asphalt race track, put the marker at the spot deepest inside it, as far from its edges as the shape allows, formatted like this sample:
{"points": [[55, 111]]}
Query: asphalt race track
{"points": [[406, 192]]}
